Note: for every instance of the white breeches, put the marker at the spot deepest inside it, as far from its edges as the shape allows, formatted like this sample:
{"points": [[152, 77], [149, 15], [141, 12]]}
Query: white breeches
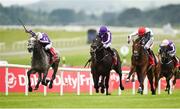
{"points": [[47, 47], [149, 44], [106, 45]]}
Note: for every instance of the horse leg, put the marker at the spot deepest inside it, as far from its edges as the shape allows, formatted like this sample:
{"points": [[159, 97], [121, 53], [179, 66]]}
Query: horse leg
{"points": [[107, 84], [141, 77], [29, 80], [130, 73], [157, 76], [39, 80], [174, 80], [101, 84], [96, 80], [44, 82], [150, 78], [55, 67], [156, 81], [168, 86], [119, 71], [175, 77]]}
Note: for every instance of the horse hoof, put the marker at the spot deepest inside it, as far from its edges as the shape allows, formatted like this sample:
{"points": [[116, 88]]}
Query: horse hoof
{"points": [[166, 90], [133, 80], [122, 88], [102, 90], [50, 86], [30, 89], [43, 83], [36, 88], [108, 94], [127, 80], [47, 81], [153, 93], [97, 91]]}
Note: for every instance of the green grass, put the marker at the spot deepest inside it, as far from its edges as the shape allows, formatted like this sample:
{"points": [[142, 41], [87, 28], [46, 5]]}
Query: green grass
{"points": [[126, 100]]}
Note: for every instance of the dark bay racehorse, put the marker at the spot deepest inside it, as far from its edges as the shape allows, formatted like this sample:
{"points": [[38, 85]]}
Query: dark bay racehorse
{"points": [[102, 64], [168, 69], [140, 65], [40, 63]]}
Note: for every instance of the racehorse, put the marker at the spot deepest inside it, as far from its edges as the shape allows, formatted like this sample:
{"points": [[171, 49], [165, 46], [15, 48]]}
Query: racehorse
{"points": [[40, 63], [168, 69], [140, 65], [102, 64]]}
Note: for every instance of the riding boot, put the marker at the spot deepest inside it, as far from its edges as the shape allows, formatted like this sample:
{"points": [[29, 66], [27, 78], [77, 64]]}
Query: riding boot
{"points": [[113, 55], [54, 54], [176, 60], [152, 57]]}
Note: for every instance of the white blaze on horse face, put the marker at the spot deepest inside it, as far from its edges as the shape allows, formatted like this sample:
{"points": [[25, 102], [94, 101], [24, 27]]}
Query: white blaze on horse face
{"points": [[135, 51]]}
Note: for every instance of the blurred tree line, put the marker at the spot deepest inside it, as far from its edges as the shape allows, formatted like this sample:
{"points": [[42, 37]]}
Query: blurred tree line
{"points": [[129, 17]]}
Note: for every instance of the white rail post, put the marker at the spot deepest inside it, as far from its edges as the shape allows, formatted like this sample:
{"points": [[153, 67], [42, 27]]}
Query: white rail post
{"points": [[62, 83], [159, 86], [45, 90], [6, 80], [26, 82], [90, 83], [171, 84], [133, 87], [146, 85], [78, 83], [119, 89]]}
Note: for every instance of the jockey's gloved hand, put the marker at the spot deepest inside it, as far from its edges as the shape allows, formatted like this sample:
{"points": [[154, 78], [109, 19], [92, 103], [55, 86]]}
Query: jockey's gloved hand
{"points": [[31, 32], [28, 31]]}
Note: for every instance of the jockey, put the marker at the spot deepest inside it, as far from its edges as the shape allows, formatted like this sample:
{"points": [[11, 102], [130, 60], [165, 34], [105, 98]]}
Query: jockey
{"points": [[106, 38], [147, 34], [47, 44], [171, 50]]}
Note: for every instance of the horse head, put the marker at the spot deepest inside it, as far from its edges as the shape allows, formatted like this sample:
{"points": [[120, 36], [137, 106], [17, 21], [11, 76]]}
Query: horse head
{"points": [[96, 48], [31, 43], [165, 58], [34, 45], [137, 49]]}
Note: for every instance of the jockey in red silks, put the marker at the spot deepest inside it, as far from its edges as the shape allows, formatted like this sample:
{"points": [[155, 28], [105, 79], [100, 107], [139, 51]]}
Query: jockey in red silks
{"points": [[171, 50], [47, 44], [106, 37], [147, 34]]}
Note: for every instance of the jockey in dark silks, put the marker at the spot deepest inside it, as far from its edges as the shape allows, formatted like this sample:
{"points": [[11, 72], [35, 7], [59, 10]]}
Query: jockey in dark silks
{"points": [[47, 44], [171, 50], [147, 35], [106, 38]]}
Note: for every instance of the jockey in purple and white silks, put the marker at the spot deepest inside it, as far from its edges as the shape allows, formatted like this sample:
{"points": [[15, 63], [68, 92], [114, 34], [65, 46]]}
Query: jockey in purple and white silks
{"points": [[106, 38], [171, 50], [147, 34], [46, 42]]}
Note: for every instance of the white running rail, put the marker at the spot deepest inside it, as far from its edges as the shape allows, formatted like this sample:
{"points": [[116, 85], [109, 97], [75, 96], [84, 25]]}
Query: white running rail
{"points": [[62, 70]]}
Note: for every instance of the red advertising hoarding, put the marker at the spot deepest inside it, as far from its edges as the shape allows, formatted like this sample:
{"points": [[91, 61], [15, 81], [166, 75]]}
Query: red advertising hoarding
{"points": [[71, 80]]}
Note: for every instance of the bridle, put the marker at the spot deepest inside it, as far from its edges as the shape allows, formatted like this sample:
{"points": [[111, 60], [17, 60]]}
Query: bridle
{"points": [[97, 47]]}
